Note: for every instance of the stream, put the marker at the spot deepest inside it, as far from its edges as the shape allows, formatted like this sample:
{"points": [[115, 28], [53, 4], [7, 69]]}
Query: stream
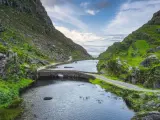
{"points": [[73, 100]]}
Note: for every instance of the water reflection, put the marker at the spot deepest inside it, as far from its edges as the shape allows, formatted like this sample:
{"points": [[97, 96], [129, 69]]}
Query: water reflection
{"points": [[86, 66], [73, 100]]}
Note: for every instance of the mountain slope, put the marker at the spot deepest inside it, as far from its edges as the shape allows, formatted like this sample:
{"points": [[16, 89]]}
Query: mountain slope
{"points": [[137, 58], [29, 22], [27, 40]]}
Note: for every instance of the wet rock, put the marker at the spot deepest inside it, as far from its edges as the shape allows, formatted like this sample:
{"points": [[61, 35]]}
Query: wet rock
{"points": [[47, 98], [99, 101], [35, 115], [68, 67]]}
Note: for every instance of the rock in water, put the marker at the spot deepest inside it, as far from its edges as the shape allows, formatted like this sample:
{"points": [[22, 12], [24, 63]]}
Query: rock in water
{"points": [[47, 98]]}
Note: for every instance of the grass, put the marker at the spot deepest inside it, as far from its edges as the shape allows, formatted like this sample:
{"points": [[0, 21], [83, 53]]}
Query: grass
{"points": [[9, 98], [9, 91], [135, 100], [131, 52], [10, 114]]}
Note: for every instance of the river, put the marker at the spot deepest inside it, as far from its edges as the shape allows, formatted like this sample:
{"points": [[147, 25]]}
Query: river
{"points": [[73, 100]]}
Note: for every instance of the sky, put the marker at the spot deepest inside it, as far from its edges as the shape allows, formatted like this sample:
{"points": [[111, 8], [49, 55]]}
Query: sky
{"points": [[97, 24]]}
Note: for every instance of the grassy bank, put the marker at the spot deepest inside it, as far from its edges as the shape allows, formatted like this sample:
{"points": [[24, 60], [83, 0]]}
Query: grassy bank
{"points": [[9, 98], [138, 101]]}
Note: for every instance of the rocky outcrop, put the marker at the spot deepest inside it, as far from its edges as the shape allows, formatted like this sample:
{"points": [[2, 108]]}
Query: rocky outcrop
{"points": [[148, 116], [3, 61], [2, 29], [156, 19], [150, 60], [31, 22], [30, 6]]}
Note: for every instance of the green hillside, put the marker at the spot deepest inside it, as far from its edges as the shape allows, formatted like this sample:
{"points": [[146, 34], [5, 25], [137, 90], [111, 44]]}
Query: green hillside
{"points": [[28, 40], [137, 58]]}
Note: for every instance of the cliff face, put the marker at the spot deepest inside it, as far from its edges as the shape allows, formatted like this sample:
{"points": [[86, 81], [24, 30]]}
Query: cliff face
{"points": [[156, 19], [28, 40], [137, 58], [29, 18]]}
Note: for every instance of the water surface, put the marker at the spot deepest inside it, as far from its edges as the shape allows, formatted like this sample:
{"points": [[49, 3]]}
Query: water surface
{"points": [[85, 66], [73, 100]]}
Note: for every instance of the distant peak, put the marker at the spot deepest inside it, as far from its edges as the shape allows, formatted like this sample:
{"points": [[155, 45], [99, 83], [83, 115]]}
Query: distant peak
{"points": [[156, 19]]}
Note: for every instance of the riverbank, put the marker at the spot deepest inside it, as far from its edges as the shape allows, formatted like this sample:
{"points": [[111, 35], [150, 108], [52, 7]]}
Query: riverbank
{"points": [[11, 109], [139, 101]]}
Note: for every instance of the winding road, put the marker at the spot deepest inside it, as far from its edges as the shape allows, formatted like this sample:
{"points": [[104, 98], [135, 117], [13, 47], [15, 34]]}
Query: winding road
{"points": [[123, 84]]}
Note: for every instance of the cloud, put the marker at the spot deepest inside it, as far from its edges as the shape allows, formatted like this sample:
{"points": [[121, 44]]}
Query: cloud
{"points": [[55, 2], [93, 43], [64, 12], [77, 36], [132, 15], [92, 12], [94, 7], [84, 4]]}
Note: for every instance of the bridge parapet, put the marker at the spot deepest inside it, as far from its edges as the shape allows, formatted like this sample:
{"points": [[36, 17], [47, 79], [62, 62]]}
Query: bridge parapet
{"points": [[52, 74]]}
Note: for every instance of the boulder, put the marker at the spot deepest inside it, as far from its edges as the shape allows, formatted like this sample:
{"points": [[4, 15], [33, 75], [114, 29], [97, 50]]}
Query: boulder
{"points": [[158, 48], [2, 56], [152, 59]]}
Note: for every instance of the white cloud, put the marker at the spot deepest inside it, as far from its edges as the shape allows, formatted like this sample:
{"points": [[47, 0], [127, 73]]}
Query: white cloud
{"points": [[93, 43], [92, 12], [67, 13], [132, 15], [84, 4], [77, 36]]}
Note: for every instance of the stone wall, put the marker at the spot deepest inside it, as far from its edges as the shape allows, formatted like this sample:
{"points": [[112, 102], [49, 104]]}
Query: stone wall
{"points": [[51, 74]]}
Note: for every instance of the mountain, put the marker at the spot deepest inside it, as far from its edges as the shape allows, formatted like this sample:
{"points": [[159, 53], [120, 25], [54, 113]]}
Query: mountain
{"points": [[28, 40], [137, 58], [27, 26]]}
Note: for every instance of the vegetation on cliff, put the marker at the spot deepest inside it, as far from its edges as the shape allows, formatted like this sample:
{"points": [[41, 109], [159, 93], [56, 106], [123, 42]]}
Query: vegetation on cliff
{"points": [[137, 58], [28, 40]]}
